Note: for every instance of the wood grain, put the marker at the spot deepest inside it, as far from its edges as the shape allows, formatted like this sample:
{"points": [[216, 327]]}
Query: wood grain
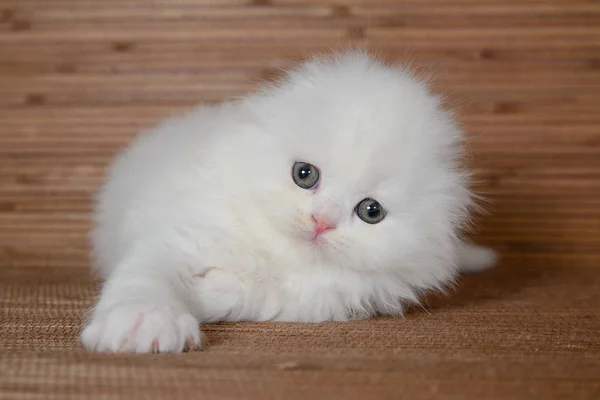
{"points": [[79, 78]]}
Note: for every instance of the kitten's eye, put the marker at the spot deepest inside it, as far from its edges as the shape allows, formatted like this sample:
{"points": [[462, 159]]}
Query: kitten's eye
{"points": [[305, 175], [370, 211]]}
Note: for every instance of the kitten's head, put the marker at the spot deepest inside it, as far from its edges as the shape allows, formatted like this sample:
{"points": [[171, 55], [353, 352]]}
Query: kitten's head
{"points": [[361, 168]]}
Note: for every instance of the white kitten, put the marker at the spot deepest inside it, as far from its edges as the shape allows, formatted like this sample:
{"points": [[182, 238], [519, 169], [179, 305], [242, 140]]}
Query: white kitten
{"points": [[337, 195]]}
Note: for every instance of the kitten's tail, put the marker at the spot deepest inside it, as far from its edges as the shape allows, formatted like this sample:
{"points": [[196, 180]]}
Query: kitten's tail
{"points": [[473, 258]]}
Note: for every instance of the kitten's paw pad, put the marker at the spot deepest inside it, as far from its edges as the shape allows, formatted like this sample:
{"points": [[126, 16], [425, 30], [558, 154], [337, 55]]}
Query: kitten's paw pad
{"points": [[142, 329]]}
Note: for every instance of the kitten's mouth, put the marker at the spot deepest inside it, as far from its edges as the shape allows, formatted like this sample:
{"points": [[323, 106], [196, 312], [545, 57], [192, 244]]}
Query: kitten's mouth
{"points": [[313, 238], [317, 239]]}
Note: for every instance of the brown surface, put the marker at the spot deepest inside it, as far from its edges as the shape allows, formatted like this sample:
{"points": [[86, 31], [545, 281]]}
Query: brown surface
{"points": [[79, 77]]}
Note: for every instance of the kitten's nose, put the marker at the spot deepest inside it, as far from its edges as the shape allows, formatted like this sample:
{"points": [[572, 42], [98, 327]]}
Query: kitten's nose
{"points": [[322, 224]]}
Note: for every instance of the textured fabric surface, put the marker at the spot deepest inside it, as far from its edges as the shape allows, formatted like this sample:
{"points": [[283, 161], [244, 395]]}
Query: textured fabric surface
{"points": [[515, 332], [79, 78]]}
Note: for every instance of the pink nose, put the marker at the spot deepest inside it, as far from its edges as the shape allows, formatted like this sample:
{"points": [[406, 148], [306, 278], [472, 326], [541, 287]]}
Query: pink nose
{"points": [[322, 224]]}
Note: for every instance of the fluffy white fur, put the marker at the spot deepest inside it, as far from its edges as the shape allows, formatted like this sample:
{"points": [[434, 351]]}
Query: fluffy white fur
{"points": [[200, 219]]}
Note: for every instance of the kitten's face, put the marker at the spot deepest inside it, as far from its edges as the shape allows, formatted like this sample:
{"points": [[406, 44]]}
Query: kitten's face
{"points": [[360, 168]]}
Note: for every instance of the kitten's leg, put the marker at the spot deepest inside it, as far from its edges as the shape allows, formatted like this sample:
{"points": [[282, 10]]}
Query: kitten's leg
{"points": [[473, 258], [145, 306]]}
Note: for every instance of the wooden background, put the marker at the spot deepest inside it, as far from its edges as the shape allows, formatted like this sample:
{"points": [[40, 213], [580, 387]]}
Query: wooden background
{"points": [[79, 78]]}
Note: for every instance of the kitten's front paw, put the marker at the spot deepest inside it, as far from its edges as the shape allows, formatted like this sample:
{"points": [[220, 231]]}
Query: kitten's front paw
{"points": [[142, 328]]}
